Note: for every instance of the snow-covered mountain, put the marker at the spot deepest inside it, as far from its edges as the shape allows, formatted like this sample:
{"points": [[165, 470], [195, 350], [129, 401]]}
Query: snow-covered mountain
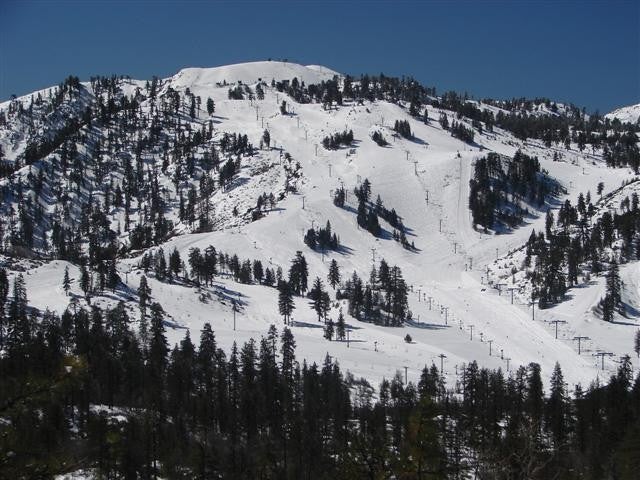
{"points": [[425, 179], [629, 114], [248, 73]]}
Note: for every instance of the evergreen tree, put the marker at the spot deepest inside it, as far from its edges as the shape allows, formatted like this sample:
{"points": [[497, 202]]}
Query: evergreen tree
{"points": [[85, 281], [298, 274], [317, 294], [18, 328], [258, 272], [158, 350], [334, 274], [557, 408], [287, 350], [286, 304], [175, 262], [269, 277], [144, 295], [112, 275], [614, 285], [329, 330], [66, 282], [341, 327]]}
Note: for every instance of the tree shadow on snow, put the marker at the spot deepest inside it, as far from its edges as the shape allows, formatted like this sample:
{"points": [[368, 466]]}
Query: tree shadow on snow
{"points": [[427, 326], [296, 323]]}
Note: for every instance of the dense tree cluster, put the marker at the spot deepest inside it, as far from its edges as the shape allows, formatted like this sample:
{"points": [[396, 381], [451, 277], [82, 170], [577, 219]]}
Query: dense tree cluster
{"points": [[238, 92], [90, 389], [542, 119], [381, 300], [579, 243], [326, 92], [379, 139], [500, 186], [403, 128], [101, 151], [461, 132], [335, 141], [322, 238]]}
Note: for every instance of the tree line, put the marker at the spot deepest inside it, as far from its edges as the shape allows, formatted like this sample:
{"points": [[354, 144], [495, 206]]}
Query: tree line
{"points": [[99, 389]]}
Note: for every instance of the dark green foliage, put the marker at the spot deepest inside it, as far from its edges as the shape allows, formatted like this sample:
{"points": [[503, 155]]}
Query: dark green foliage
{"points": [[286, 305], [66, 281], [403, 128], [107, 400], [379, 139], [335, 141], [236, 93], [322, 238], [612, 300], [383, 300], [460, 131], [500, 187], [334, 274], [298, 274], [578, 243], [339, 197]]}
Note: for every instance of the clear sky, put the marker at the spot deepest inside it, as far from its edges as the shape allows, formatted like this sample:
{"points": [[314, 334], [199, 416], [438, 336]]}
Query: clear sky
{"points": [[585, 52]]}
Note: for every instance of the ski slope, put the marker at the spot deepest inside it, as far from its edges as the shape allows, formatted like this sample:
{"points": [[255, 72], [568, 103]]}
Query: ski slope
{"points": [[426, 180], [628, 114]]}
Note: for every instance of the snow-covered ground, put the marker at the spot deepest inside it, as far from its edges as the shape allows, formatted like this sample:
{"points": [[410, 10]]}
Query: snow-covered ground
{"points": [[629, 114], [426, 180]]}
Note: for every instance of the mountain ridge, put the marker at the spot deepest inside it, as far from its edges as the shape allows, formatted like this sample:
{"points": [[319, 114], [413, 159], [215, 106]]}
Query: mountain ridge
{"points": [[424, 178]]}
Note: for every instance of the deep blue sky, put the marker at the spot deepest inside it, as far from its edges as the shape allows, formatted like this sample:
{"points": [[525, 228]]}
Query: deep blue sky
{"points": [[585, 52]]}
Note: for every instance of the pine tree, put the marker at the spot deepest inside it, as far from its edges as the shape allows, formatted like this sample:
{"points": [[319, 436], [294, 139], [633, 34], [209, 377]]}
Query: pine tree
{"points": [[158, 350], [18, 331], [286, 304], [614, 285], [298, 274], [258, 272], [210, 106], [269, 277], [316, 294], [175, 262], [325, 305], [329, 330], [557, 408], [85, 281], [144, 295], [334, 274], [341, 327], [535, 395], [636, 345], [66, 282], [112, 275], [287, 350]]}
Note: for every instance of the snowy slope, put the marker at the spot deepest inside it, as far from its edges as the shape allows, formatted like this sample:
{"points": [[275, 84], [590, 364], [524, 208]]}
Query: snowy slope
{"points": [[445, 272], [629, 114], [249, 73]]}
